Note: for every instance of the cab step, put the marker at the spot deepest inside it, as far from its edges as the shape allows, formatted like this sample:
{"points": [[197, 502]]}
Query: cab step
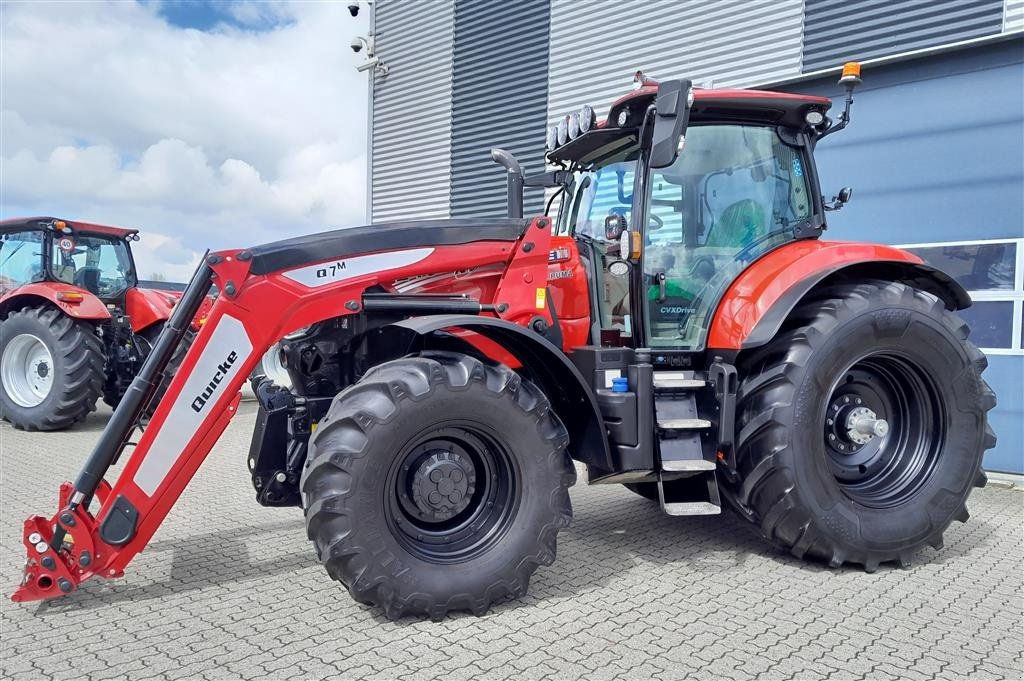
{"points": [[681, 434], [677, 380], [687, 465], [684, 424], [697, 495]]}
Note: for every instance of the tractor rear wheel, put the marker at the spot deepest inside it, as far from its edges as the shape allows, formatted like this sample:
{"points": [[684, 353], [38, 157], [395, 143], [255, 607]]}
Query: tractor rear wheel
{"points": [[862, 426], [437, 483], [51, 369]]}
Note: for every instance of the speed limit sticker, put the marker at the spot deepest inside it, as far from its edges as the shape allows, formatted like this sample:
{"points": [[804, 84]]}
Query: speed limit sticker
{"points": [[66, 244]]}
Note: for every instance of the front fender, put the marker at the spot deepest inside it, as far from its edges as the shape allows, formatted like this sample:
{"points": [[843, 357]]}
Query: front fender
{"points": [[31, 295], [545, 364], [757, 303], [148, 306]]}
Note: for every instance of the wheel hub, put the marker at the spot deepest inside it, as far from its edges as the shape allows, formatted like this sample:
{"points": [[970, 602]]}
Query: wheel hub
{"points": [[851, 424], [443, 485], [862, 424]]}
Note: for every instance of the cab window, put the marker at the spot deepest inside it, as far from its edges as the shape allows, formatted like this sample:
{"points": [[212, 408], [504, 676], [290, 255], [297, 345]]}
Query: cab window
{"points": [[21, 259], [734, 193], [98, 264]]}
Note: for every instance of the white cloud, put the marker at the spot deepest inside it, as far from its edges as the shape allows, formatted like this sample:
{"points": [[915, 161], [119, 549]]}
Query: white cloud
{"points": [[199, 139]]}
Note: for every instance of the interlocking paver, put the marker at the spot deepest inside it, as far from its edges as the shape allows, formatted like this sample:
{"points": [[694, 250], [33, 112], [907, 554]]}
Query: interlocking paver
{"points": [[229, 590]]}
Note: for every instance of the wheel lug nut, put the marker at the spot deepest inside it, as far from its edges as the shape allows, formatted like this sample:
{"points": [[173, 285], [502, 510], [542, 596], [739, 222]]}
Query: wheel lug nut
{"points": [[831, 436], [859, 401], [830, 422]]}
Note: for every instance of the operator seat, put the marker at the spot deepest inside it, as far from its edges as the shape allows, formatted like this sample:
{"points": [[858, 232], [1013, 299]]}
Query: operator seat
{"points": [[740, 224], [89, 279]]}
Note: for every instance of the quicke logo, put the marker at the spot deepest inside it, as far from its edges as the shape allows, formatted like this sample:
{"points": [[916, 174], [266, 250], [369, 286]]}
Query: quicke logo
{"points": [[218, 376]]}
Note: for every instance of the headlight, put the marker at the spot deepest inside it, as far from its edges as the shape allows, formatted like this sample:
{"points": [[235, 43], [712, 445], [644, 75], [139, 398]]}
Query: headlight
{"points": [[623, 117], [563, 130], [551, 141], [574, 126], [586, 116], [814, 118]]}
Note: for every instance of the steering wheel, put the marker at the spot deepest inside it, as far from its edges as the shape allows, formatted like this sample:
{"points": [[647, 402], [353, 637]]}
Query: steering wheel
{"points": [[656, 222]]}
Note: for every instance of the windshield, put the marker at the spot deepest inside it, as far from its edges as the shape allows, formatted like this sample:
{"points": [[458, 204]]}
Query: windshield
{"points": [[734, 193], [99, 264]]}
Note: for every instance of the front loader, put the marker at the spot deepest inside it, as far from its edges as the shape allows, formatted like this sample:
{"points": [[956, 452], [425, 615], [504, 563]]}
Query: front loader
{"points": [[678, 328]]}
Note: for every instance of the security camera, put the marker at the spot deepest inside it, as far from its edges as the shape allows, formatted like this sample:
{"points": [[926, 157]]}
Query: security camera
{"points": [[356, 44], [372, 63], [353, 9]]}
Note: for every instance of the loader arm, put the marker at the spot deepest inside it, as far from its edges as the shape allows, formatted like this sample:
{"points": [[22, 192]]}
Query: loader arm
{"points": [[261, 300]]}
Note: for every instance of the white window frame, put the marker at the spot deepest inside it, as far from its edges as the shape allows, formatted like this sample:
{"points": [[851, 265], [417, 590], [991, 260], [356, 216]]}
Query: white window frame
{"points": [[1016, 296]]}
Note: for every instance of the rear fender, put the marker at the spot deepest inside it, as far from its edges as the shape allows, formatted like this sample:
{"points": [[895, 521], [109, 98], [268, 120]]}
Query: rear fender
{"points": [[46, 292], [757, 303], [540, 360]]}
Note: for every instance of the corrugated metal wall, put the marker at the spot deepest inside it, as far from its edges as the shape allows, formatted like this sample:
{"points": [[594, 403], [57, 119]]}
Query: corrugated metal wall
{"points": [[597, 46], [841, 30], [412, 111], [500, 100], [1013, 16]]}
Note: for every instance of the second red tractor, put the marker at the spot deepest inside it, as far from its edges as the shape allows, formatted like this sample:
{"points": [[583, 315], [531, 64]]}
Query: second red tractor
{"points": [[75, 323]]}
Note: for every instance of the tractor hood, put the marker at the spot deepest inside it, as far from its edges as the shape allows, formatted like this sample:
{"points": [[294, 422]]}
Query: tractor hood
{"points": [[305, 250]]}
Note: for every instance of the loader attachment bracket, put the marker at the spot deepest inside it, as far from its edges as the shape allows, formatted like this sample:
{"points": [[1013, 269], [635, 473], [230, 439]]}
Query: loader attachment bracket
{"points": [[51, 571]]}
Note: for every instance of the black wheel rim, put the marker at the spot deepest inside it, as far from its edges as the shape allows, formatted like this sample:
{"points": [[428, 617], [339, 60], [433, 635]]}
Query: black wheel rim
{"points": [[890, 394], [452, 493]]}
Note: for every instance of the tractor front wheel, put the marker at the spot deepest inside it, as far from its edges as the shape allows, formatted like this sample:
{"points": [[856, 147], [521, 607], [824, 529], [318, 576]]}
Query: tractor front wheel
{"points": [[51, 369], [437, 483], [862, 426]]}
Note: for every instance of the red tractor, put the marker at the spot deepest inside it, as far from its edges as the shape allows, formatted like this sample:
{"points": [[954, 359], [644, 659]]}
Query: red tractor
{"points": [[678, 327], [74, 323]]}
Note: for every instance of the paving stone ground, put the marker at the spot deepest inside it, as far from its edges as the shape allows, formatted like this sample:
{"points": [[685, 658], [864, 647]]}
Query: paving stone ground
{"points": [[230, 590]]}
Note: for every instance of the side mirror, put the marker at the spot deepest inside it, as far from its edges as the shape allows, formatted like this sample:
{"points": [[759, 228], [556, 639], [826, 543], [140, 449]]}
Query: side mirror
{"points": [[672, 106], [840, 199], [614, 226]]}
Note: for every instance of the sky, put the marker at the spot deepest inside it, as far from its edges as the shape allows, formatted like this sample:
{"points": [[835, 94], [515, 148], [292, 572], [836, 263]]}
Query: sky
{"points": [[203, 124]]}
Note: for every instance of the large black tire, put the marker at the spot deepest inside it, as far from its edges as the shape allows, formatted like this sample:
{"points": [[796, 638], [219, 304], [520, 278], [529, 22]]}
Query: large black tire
{"points": [[365, 486], [112, 396], [77, 360], [884, 500]]}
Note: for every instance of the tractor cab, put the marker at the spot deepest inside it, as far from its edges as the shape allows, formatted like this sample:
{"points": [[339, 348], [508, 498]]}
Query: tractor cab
{"points": [[666, 233], [93, 258]]}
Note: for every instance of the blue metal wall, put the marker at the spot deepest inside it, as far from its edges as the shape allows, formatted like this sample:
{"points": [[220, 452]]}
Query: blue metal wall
{"points": [[935, 153]]}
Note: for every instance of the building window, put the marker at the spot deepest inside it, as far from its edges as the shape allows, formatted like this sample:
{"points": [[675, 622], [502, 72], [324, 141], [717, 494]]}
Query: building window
{"points": [[992, 271]]}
